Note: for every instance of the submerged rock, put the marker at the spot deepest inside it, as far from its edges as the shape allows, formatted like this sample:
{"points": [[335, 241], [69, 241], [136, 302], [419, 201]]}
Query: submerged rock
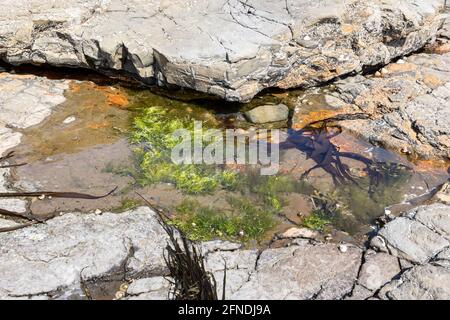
{"points": [[268, 113], [231, 49]]}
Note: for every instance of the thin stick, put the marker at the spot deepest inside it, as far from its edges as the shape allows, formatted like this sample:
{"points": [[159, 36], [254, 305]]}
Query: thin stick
{"points": [[70, 195]]}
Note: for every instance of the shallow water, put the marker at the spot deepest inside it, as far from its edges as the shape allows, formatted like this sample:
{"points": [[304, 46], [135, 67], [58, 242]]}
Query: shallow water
{"points": [[93, 154]]}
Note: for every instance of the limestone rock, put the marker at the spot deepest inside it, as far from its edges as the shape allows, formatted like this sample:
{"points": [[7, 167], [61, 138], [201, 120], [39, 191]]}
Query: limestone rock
{"points": [[418, 236], [443, 194], [427, 282], [436, 217], [26, 100], [302, 272], [50, 259], [299, 233], [411, 240], [408, 106], [231, 49], [377, 270], [155, 288]]}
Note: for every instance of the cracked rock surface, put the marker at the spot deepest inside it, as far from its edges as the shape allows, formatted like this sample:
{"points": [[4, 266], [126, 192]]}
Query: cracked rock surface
{"points": [[408, 103], [25, 101], [51, 259], [229, 48], [421, 236]]}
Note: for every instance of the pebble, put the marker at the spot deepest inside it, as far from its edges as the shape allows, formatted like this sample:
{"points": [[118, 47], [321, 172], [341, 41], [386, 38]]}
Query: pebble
{"points": [[98, 211], [343, 248], [387, 212], [41, 197], [69, 120], [307, 38], [378, 74], [384, 71], [405, 150], [241, 233], [123, 287], [120, 295]]}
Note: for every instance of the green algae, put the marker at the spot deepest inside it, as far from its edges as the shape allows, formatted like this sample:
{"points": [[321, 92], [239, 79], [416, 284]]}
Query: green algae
{"points": [[152, 131], [244, 221]]}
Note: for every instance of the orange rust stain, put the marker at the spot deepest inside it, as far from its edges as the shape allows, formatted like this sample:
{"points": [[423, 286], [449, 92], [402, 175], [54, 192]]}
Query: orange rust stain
{"points": [[117, 99], [397, 67], [347, 28], [429, 165], [113, 97], [302, 120], [441, 48], [74, 87], [432, 81], [98, 125]]}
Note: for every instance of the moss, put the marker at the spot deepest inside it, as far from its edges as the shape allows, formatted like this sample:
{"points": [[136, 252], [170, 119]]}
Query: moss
{"points": [[128, 204], [245, 221], [316, 221]]}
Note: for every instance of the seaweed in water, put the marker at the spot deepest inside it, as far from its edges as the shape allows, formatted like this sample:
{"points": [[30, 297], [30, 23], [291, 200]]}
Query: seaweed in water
{"points": [[190, 280], [188, 275]]}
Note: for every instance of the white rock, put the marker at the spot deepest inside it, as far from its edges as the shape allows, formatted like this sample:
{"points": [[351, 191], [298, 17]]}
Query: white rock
{"points": [[69, 120], [299, 233]]}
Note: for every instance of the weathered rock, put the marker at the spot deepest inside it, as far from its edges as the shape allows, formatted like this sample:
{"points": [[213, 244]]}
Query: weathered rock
{"points": [[239, 265], [302, 272], [420, 283], [268, 113], [26, 100], [231, 49], [360, 293], [50, 259], [435, 217], [408, 106], [410, 239], [377, 270], [443, 194], [443, 258], [155, 288], [334, 102], [299, 233]]}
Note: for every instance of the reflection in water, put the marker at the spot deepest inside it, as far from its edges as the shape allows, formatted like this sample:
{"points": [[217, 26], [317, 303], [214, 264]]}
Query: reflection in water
{"points": [[318, 146]]}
